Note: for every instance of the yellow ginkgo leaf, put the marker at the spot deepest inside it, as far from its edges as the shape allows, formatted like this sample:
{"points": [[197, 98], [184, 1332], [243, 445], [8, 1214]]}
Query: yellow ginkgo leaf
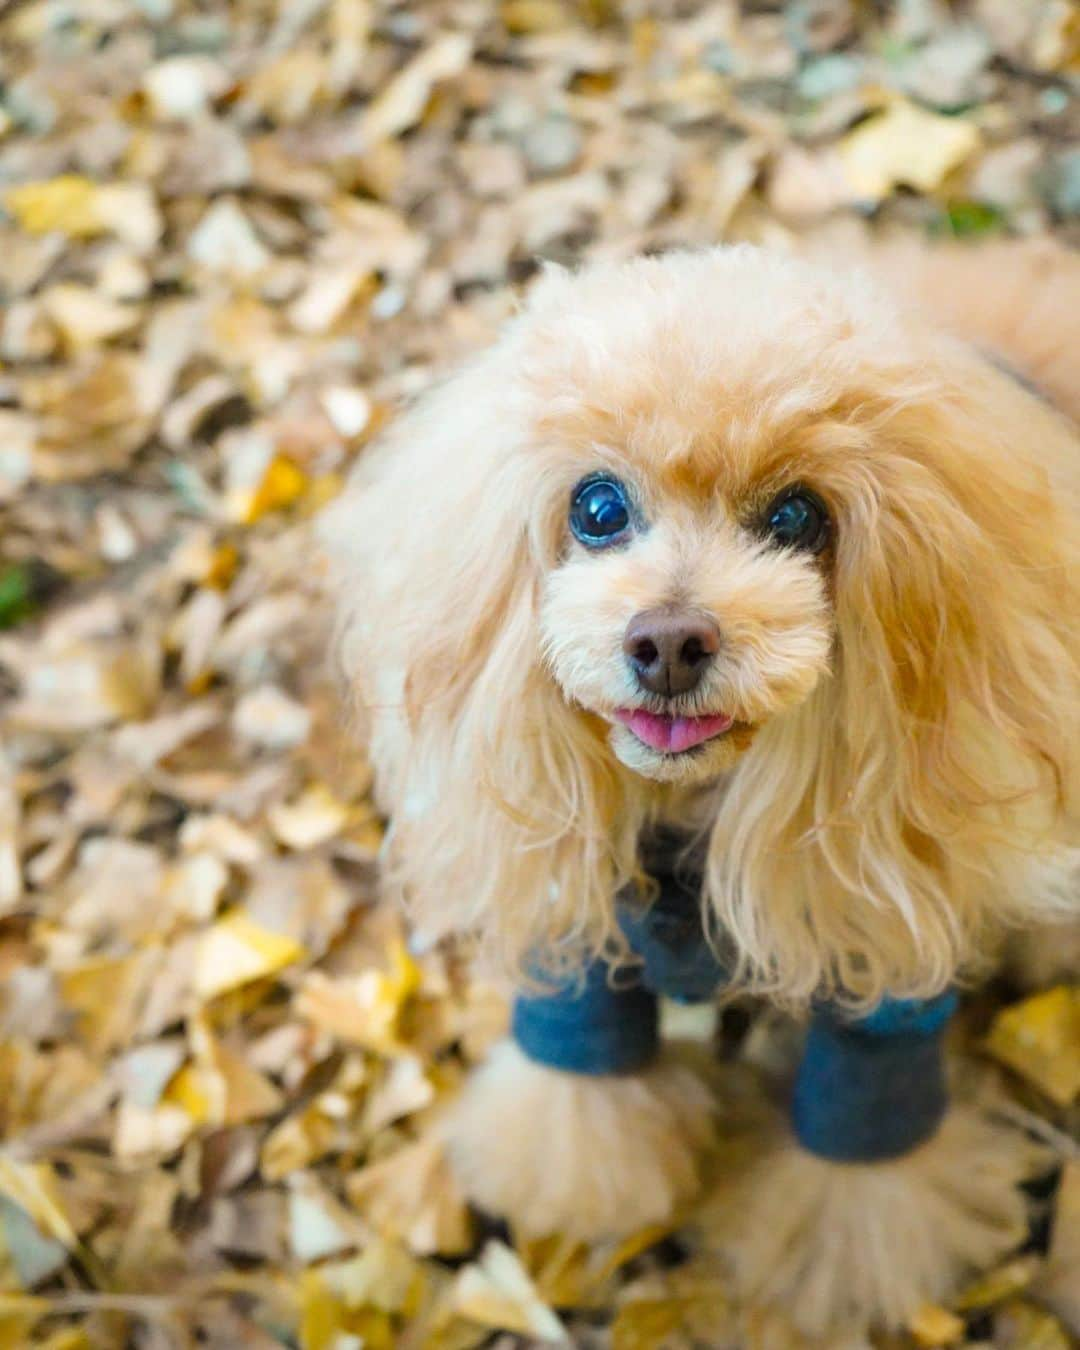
{"points": [[647, 1324], [258, 477], [312, 818], [1027, 1327], [65, 204], [414, 1195], [104, 992], [236, 950], [284, 483], [496, 1292], [402, 101], [19, 1314], [904, 145], [84, 316], [933, 1326], [81, 208], [1040, 1040], [298, 1141], [1000, 1284], [32, 1187], [223, 1088], [190, 1093], [365, 1009]]}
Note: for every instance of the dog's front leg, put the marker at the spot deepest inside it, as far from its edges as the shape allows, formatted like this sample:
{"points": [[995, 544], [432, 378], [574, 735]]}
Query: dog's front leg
{"points": [[881, 1196], [580, 1123]]}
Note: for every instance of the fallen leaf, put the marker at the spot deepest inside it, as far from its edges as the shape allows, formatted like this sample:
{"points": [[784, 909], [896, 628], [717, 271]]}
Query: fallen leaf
{"points": [[313, 818], [225, 241], [30, 1189], [83, 208], [1023, 1326], [1040, 1040], [349, 409], [233, 1092], [85, 317], [35, 1256], [258, 478], [404, 1089], [105, 993], [318, 1225], [933, 1326], [365, 1009], [10, 859], [996, 1286], [268, 718], [689, 1307], [402, 102], [236, 951], [412, 1195], [184, 87], [496, 1292], [143, 1134], [904, 145]]}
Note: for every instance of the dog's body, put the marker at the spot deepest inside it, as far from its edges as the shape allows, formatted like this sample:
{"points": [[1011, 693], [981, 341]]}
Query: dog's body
{"points": [[728, 542]]}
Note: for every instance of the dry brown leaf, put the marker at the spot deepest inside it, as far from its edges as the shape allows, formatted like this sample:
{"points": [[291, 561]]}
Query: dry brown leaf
{"points": [[412, 1195], [402, 102], [365, 1009]]}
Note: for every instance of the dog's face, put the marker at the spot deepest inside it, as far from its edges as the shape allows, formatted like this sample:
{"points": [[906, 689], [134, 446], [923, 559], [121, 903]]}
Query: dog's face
{"points": [[692, 600], [687, 611]]}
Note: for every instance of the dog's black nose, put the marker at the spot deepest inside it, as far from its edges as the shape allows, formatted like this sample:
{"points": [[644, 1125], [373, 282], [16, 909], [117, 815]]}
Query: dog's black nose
{"points": [[670, 649]]}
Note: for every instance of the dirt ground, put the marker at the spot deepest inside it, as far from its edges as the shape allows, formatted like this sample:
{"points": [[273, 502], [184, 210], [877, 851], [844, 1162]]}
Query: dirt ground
{"points": [[233, 239]]}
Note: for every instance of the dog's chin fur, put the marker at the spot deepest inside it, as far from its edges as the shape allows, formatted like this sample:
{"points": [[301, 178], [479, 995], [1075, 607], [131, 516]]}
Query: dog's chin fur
{"points": [[702, 764], [910, 785]]}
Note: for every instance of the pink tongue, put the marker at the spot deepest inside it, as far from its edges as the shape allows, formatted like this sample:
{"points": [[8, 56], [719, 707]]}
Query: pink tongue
{"points": [[672, 734]]}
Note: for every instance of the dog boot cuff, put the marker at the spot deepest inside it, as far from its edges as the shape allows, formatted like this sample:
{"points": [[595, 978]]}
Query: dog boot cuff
{"points": [[599, 1022], [872, 1088]]}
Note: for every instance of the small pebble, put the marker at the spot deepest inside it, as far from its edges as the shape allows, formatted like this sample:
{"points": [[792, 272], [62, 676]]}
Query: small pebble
{"points": [[1061, 183]]}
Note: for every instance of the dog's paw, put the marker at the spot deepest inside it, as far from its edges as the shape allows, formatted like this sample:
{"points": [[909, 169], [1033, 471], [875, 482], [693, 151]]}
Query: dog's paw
{"points": [[589, 1157], [836, 1248]]}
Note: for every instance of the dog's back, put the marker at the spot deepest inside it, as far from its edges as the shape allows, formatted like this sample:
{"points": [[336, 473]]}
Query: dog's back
{"points": [[1017, 299]]}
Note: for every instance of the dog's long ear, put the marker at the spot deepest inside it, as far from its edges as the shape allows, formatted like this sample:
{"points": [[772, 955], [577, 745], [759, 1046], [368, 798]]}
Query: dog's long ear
{"points": [[503, 807], [929, 783]]}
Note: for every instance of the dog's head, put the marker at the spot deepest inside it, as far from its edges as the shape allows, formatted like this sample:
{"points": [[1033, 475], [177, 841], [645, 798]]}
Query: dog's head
{"points": [[716, 519], [698, 489]]}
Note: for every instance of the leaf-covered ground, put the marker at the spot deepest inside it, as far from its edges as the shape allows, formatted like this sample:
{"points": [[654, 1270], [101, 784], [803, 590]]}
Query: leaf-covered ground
{"points": [[233, 237]]}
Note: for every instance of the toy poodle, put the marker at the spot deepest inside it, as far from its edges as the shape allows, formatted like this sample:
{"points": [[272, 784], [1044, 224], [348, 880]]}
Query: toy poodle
{"points": [[716, 629]]}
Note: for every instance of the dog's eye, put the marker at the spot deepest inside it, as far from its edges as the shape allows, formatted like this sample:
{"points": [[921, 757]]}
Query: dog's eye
{"points": [[599, 512], [798, 519]]}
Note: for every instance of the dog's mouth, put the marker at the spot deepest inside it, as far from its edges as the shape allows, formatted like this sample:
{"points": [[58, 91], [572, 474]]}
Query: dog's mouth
{"points": [[673, 735]]}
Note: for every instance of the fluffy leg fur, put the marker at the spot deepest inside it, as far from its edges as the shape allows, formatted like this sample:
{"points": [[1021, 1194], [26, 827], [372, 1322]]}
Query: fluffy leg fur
{"points": [[838, 1247], [590, 1157]]}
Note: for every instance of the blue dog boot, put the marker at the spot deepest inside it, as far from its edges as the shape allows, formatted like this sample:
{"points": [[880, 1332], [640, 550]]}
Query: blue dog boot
{"points": [[872, 1088]]}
